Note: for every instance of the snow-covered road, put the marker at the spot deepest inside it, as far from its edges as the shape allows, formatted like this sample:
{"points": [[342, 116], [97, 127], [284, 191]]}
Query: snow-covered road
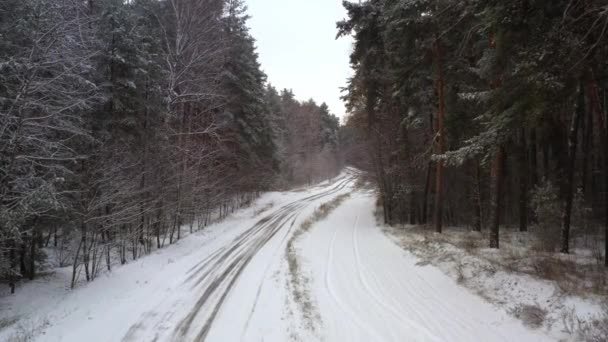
{"points": [[231, 283], [220, 295], [368, 289]]}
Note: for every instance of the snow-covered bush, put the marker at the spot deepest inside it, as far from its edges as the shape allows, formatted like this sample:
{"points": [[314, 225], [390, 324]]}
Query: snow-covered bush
{"points": [[546, 205]]}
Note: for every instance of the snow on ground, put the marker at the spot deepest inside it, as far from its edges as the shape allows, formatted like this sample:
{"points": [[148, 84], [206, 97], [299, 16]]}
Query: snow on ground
{"points": [[512, 278], [171, 294], [368, 288], [230, 282]]}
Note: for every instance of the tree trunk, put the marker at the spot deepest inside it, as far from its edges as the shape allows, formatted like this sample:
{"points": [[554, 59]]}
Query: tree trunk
{"points": [[85, 251], [412, 208], [75, 265], [144, 160], [123, 247], [182, 143], [546, 172], [533, 168], [12, 264], [47, 241], [603, 132], [142, 210], [32, 270], [499, 165], [440, 143], [523, 182], [22, 253], [427, 188], [108, 245], [478, 186], [587, 130], [157, 224], [569, 185], [386, 197], [134, 245]]}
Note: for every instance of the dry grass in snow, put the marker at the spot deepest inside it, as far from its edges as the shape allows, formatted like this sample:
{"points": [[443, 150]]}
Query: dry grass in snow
{"points": [[566, 295], [297, 280]]}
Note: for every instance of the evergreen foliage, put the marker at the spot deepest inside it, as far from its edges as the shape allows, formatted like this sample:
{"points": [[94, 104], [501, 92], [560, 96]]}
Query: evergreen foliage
{"points": [[122, 122], [488, 98]]}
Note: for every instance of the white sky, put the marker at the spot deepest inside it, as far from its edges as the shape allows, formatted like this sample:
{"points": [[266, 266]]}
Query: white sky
{"points": [[298, 50]]}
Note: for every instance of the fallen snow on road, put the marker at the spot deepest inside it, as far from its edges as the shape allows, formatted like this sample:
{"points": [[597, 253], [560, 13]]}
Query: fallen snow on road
{"points": [[368, 289], [219, 285], [230, 283]]}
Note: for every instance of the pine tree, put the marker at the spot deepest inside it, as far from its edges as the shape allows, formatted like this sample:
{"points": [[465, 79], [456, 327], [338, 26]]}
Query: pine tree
{"points": [[477, 87], [246, 110], [45, 69]]}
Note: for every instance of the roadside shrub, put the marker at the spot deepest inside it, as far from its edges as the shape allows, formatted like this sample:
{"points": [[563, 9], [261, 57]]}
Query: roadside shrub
{"points": [[470, 243], [546, 205], [532, 315], [594, 329]]}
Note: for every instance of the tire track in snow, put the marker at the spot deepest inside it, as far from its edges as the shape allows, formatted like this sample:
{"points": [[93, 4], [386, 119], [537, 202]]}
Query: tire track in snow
{"points": [[259, 291], [216, 275], [223, 283], [424, 295], [334, 297], [299, 205], [423, 299], [262, 224], [383, 304]]}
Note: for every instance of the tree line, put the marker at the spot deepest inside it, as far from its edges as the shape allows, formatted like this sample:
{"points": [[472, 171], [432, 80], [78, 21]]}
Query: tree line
{"points": [[124, 122], [484, 113]]}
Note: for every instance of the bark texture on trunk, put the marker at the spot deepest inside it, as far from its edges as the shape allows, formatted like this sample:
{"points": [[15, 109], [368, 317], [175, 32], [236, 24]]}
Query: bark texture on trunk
{"points": [[498, 183], [440, 141], [523, 182], [594, 100], [569, 182]]}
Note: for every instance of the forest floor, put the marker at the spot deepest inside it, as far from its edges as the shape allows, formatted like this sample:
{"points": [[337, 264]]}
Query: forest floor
{"points": [[306, 265]]}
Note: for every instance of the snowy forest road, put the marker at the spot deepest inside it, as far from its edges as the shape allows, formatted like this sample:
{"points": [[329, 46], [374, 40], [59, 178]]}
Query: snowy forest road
{"points": [[234, 281], [367, 288], [210, 282]]}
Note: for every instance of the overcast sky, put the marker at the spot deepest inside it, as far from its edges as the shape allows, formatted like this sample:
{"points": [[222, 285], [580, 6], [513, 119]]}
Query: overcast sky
{"points": [[298, 50]]}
